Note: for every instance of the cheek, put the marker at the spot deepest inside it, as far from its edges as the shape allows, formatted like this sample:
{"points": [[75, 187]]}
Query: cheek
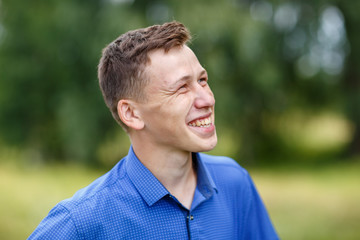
{"points": [[184, 107], [179, 105], [169, 112]]}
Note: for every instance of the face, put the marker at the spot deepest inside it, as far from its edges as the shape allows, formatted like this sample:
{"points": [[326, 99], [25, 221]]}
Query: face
{"points": [[179, 111]]}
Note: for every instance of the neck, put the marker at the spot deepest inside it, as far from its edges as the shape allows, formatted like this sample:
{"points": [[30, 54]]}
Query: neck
{"points": [[173, 168]]}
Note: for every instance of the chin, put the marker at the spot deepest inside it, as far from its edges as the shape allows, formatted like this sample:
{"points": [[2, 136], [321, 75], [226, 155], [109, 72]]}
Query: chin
{"points": [[208, 146]]}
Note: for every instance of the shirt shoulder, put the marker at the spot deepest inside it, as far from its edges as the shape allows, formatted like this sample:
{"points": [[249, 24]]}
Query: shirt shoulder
{"points": [[226, 173], [80, 214], [222, 163], [95, 189], [237, 190]]}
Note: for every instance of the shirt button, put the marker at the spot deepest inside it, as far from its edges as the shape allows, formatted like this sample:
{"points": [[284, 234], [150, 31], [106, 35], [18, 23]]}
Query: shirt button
{"points": [[191, 217]]}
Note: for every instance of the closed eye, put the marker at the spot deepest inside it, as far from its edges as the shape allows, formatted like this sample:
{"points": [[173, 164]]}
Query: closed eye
{"points": [[182, 88], [202, 81]]}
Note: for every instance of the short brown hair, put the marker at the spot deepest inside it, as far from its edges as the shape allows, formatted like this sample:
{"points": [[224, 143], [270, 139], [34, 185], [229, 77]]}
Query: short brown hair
{"points": [[121, 67]]}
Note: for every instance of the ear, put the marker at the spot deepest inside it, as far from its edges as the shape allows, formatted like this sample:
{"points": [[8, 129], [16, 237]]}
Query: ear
{"points": [[129, 115]]}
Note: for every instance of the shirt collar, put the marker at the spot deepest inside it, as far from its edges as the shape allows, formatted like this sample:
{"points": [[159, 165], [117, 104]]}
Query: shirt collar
{"points": [[150, 187], [205, 183], [145, 182]]}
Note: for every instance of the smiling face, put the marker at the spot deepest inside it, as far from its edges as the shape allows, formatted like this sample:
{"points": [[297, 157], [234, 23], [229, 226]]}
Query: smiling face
{"points": [[179, 111]]}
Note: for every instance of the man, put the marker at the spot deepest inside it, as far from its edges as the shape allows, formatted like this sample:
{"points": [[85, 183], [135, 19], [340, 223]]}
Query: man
{"points": [[164, 188]]}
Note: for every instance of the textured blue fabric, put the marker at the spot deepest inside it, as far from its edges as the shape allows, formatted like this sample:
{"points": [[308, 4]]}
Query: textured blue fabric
{"points": [[130, 203]]}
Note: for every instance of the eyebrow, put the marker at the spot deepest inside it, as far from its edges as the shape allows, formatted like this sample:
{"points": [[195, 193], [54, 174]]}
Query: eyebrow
{"points": [[203, 72]]}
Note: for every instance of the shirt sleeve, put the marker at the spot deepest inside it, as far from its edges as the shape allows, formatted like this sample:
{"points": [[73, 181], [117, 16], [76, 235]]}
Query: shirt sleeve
{"points": [[57, 225], [259, 225]]}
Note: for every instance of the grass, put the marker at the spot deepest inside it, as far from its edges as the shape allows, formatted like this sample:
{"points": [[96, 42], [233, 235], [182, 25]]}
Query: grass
{"points": [[320, 203], [27, 194], [317, 204]]}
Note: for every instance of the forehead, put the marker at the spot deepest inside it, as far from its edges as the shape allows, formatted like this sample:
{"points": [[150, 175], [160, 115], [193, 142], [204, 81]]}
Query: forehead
{"points": [[173, 65]]}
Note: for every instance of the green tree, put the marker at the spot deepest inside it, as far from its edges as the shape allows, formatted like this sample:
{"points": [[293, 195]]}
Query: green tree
{"points": [[264, 58]]}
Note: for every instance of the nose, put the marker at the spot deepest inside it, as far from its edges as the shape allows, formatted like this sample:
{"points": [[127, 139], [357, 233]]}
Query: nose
{"points": [[204, 97]]}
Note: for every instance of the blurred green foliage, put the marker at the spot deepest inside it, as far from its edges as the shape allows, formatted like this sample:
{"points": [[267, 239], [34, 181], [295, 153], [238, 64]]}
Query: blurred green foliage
{"points": [[285, 75]]}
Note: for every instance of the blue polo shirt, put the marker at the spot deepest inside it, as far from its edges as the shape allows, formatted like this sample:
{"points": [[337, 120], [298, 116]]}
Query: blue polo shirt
{"points": [[129, 202]]}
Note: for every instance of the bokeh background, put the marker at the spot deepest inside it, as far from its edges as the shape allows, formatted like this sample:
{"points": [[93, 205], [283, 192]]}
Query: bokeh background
{"points": [[285, 74]]}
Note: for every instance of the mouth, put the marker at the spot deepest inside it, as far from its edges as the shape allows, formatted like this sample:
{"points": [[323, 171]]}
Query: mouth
{"points": [[201, 122]]}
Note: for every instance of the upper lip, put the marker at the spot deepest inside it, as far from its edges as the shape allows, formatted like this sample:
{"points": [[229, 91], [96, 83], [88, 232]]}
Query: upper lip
{"points": [[201, 117]]}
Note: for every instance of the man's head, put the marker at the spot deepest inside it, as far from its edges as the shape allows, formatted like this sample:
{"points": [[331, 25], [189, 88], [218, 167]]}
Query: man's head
{"points": [[158, 91], [121, 70]]}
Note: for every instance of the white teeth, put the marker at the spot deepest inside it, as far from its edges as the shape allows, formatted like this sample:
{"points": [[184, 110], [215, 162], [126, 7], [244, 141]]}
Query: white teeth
{"points": [[201, 123], [198, 123]]}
